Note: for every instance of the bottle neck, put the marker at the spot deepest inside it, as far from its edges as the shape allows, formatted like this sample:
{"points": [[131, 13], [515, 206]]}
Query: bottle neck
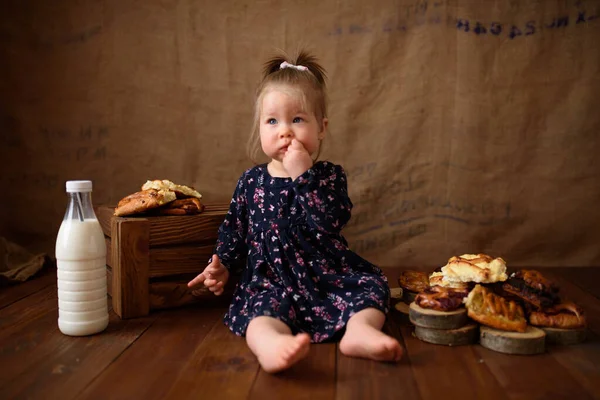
{"points": [[80, 206]]}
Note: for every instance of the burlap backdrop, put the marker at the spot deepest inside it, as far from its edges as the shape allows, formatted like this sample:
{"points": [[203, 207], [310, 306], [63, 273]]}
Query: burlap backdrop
{"points": [[464, 126]]}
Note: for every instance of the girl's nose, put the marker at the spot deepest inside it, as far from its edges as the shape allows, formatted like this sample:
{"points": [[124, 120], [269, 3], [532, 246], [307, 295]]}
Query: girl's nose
{"points": [[285, 132]]}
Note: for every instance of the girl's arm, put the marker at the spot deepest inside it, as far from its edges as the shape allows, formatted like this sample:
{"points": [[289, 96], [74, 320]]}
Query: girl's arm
{"points": [[231, 242], [323, 194]]}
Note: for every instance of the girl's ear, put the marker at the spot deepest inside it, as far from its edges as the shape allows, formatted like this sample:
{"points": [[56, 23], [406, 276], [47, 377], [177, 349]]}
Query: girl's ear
{"points": [[323, 128]]}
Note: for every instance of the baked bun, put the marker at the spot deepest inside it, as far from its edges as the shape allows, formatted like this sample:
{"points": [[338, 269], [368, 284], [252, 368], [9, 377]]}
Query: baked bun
{"points": [[181, 191], [437, 279], [143, 201], [479, 268], [189, 206], [414, 281]]}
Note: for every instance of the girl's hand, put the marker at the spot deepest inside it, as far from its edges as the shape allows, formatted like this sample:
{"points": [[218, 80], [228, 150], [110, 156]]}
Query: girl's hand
{"points": [[214, 277], [296, 159]]}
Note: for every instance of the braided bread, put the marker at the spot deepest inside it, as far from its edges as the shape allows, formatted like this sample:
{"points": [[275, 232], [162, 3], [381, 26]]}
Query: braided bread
{"points": [[490, 309]]}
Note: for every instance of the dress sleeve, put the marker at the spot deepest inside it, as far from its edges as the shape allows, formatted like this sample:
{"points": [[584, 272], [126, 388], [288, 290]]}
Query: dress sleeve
{"points": [[323, 194], [231, 241]]}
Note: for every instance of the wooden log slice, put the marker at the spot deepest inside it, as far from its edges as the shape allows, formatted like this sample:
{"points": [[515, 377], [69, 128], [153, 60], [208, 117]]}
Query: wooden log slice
{"points": [[564, 336], [402, 307], [532, 341], [408, 296], [396, 295], [467, 334], [427, 318]]}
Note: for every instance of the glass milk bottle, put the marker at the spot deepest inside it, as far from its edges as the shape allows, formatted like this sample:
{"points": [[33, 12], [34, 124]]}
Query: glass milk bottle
{"points": [[81, 264]]}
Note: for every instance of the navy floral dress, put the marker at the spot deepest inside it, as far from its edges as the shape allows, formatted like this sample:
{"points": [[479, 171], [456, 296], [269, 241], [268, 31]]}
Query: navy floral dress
{"points": [[299, 268]]}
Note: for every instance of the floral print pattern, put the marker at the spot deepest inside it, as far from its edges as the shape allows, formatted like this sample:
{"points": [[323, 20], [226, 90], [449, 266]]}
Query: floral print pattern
{"points": [[299, 268]]}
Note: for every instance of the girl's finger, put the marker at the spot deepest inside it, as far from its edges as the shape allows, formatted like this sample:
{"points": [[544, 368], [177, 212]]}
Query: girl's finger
{"points": [[197, 280], [210, 282]]}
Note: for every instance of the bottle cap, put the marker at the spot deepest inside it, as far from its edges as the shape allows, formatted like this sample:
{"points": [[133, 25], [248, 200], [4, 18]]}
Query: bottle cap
{"points": [[79, 186]]}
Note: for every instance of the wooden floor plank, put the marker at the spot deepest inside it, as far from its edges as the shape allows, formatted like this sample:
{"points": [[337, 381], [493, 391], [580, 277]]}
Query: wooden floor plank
{"points": [[179, 353], [316, 371], [60, 366], [363, 379], [571, 291], [443, 372], [536, 376], [11, 294], [586, 278], [582, 359], [582, 362], [222, 366], [157, 357], [27, 310]]}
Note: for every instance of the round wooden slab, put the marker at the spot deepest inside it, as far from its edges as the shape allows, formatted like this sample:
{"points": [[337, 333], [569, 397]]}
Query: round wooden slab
{"points": [[467, 334], [427, 318], [408, 296], [532, 341], [564, 336], [396, 293], [402, 307]]}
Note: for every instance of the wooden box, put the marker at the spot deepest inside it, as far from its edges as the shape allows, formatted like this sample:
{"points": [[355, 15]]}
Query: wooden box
{"points": [[150, 259]]}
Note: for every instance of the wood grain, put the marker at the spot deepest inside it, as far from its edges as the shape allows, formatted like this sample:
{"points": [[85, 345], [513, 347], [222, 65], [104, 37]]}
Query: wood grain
{"points": [[171, 340], [587, 279], [175, 260], [222, 365], [365, 379], [168, 230], [105, 216], [68, 364], [581, 360], [11, 294], [130, 257], [176, 294], [443, 372], [316, 371], [189, 353]]}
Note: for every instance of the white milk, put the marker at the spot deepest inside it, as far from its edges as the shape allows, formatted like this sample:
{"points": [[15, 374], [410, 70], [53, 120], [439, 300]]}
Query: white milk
{"points": [[81, 262]]}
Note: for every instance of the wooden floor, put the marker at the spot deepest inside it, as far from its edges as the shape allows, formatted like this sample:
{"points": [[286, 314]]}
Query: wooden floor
{"points": [[188, 353]]}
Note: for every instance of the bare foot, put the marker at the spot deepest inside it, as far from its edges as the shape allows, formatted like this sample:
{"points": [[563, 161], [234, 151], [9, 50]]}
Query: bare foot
{"points": [[284, 352], [364, 341]]}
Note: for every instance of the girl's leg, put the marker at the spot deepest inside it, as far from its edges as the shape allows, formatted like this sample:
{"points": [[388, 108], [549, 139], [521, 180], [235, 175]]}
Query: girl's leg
{"points": [[273, 344], [363, 337]]}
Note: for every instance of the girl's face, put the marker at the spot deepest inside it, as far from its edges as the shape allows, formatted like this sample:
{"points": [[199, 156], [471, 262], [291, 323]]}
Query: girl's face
{"points": [[284, 116]]}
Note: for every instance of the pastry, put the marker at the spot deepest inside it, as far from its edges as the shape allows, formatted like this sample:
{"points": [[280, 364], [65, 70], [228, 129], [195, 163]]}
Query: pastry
{"points": [[437, 279], [479, 268], [181, 191], [143, 201], [564, 315], [441, 298], [188, 206], [532, 288], [490, 309], [413, 281]]}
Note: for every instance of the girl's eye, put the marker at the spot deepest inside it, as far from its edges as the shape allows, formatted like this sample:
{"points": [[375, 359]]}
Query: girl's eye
{"points": [[297, 120], [271, 121]]}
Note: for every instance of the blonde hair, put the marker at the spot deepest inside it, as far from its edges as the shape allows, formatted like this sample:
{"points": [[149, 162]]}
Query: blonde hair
{"points": [[311, 84]]}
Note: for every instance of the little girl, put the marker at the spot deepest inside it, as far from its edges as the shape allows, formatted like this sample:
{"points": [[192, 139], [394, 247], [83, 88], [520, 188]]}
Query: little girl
{"points": [[301, 282]]}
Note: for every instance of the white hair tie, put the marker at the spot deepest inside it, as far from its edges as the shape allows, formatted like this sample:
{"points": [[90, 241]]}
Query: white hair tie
{"points": [[286, 64]]}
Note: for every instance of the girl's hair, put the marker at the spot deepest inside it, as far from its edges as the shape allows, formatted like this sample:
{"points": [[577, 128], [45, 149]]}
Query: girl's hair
{"points": [[311, 83]]}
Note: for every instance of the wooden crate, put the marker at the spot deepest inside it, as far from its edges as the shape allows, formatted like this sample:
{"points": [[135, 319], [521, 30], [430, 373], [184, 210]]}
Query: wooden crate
{"points": [[151, 259]]}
